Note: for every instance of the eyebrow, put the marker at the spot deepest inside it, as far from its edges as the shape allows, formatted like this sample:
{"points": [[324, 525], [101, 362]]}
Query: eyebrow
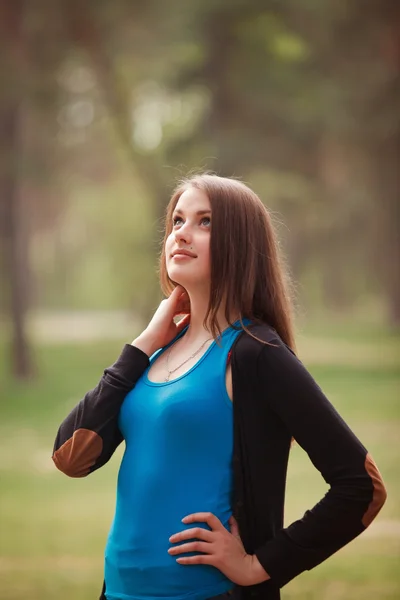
{"points": [[199, 212]]}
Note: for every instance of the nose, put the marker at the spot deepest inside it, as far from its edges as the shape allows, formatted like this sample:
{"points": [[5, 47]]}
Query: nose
{"points": [[183, 234]]}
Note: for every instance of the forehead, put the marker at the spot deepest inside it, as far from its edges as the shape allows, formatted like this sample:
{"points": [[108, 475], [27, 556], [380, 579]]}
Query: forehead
{"points": [[193, 200]]}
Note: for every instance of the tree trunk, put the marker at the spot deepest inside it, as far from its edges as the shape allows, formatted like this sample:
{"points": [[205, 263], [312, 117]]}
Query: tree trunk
{"points": [[387, 156], [332, 177], [15, 243], [13, 229]]}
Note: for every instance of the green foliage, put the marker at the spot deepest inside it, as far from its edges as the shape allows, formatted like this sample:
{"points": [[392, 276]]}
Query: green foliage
{"points": [[106, 104]]}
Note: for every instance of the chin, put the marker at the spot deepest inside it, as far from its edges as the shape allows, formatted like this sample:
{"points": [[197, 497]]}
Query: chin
{"points": [[183, 279], [176, 277]]}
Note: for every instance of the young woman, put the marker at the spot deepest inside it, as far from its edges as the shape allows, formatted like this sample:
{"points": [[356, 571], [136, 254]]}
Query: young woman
{"points": [[208, 407]]}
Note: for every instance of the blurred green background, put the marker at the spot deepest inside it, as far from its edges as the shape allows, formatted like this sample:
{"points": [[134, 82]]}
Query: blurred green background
{"points": [[103, 105]]}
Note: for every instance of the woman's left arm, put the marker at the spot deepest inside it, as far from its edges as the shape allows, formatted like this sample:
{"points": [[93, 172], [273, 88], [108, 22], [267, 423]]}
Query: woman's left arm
{"points": [[357, 492]]}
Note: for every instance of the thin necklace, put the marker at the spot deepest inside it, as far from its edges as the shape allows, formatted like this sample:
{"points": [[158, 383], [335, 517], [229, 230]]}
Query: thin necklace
{"points": [[185, 361]]}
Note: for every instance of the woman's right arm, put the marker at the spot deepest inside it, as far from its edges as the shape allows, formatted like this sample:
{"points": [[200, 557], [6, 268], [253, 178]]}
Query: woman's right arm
{"points": [[89, 435]]}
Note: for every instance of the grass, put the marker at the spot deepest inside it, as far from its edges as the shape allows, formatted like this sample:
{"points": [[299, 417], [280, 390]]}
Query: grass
{"points": [[53, 528]]}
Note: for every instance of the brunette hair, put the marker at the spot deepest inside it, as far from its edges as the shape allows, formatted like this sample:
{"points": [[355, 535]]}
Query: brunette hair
{"points": [[246, 263]]}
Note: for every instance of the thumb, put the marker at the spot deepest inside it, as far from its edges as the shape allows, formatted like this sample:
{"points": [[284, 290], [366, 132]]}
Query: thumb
{"points": [[234, 526], [182, 323]]}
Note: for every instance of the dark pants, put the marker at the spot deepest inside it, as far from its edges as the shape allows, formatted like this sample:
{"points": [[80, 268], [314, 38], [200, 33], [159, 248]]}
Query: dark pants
{"points": [[224, 596]]}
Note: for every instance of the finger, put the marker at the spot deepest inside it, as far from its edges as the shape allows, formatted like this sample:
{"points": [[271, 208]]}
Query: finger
{"points": [[182, 323], [178, 290], [183, 298], [194, 532], [176, 293], [183, 307], [191, 547], [199, 559], [204, 517]]}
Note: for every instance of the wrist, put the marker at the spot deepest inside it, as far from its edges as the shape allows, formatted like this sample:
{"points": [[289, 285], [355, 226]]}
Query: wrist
{"points": [[258, 573], [145, 343]]}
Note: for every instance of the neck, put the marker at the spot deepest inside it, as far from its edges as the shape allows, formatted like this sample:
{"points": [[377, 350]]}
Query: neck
{"points": [[197, 332]]}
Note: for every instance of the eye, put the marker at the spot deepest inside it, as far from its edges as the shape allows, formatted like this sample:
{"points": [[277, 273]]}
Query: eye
{"points": [[176, 219]]}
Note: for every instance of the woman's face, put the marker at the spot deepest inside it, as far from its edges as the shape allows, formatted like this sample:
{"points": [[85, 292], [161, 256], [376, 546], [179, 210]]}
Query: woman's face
{"points": [[190, 231]]}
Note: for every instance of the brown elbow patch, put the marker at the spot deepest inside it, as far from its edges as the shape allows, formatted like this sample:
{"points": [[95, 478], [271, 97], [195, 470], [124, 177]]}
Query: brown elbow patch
{"points": [[379, 492], [78, 454]]}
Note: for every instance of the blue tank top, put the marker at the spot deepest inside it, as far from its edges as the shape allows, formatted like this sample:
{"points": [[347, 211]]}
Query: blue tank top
{"points": [[177, 460]]}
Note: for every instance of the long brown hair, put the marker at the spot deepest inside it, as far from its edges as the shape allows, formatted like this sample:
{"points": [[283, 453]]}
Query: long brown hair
{"points": [[247, 268]]}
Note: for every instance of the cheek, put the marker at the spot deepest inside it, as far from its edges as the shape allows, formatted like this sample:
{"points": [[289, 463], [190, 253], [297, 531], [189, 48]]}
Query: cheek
{"points": [[206, 256], [169, 243]]}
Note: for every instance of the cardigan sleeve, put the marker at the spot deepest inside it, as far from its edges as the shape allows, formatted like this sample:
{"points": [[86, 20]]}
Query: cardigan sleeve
{"points": [[89, 435], [356, 493]]}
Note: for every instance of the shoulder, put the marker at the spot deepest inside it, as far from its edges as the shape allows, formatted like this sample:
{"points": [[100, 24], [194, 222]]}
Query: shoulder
{"points": [[263, 346], [262, 335]]}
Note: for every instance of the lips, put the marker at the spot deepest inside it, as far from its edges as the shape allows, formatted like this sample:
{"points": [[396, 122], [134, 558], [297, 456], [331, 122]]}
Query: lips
{"points": [[183, 253]]}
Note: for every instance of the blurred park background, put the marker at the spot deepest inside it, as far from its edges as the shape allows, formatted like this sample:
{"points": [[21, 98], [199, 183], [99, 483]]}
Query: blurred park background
{"points": [[103, 106]]}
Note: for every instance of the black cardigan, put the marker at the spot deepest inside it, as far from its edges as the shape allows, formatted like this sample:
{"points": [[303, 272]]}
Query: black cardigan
{"points": [[274, 398]]}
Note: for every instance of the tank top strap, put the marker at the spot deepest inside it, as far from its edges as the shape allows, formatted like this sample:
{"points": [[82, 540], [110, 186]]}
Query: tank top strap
{"points": [[229, 336]]}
